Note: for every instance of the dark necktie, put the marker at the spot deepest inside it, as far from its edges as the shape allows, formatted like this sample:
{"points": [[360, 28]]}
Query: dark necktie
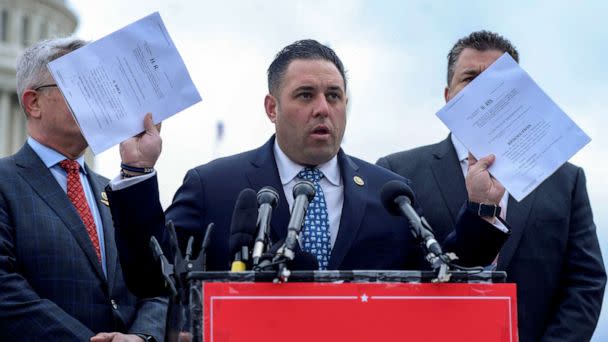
{"points": [[77, 197], [316, 236]]}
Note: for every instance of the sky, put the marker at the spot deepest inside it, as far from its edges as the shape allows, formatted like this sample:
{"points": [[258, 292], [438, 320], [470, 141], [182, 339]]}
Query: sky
{"points": [[395, 56]]}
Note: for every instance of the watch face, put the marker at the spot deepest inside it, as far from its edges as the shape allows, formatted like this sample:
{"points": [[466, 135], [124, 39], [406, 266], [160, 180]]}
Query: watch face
{"points": [[485, 210]]}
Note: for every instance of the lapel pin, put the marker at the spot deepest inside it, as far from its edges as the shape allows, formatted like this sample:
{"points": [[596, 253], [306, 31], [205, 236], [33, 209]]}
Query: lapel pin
{"points": [[104, 198], [358, 180]]}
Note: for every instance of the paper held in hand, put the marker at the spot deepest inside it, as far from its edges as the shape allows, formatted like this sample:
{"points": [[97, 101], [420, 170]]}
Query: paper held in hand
{"points": [[111, 84], [505, 113]]}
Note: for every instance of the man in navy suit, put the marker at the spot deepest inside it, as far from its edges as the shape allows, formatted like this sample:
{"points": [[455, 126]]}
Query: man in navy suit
{"points": [[307, 103], [60, 276], [553, 254]]}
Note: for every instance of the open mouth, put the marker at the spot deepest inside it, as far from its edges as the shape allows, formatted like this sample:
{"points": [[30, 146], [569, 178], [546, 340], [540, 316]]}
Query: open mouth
{"points": [[320, 130]]}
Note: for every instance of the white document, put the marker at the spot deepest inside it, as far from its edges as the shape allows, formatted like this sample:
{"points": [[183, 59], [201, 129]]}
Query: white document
{"points": [[505, 113], [112, 83]]}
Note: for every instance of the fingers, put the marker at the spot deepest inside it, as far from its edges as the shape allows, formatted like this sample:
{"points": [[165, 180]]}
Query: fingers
{"points": [[481, 164], [149, 124], [103, 337]]}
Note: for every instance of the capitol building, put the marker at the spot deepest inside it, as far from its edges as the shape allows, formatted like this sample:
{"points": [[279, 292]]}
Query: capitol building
{"points": [[23, 22]]}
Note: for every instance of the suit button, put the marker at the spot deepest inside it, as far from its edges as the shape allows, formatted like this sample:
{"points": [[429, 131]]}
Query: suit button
{"points": [[114, 304]]}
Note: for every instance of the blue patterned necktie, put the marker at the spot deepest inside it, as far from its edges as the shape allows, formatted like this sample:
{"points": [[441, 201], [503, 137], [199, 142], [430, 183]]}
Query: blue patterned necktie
{"points": [[316, 236]]}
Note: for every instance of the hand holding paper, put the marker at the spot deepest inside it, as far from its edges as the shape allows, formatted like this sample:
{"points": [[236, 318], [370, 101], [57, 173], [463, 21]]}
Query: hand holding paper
{"points": [[481, 186], [143, 149], [504, 112], [109, 84]]}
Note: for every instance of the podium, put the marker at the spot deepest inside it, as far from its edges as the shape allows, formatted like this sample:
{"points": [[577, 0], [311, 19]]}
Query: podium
{"points": [[347, 306]]}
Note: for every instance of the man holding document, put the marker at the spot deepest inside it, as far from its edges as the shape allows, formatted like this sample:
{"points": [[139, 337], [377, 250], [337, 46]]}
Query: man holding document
{"points": [[60, 276], [553, 254], [306, 103]]}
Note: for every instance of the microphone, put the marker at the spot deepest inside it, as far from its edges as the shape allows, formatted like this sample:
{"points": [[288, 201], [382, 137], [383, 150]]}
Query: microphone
{"points": [[303, 193], [242, 228], [397, 198], [268, 199]]}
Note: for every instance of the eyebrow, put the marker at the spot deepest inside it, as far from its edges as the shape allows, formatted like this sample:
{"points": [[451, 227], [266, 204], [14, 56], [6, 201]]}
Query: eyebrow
{"points": [[336, 88], [471, 72]]}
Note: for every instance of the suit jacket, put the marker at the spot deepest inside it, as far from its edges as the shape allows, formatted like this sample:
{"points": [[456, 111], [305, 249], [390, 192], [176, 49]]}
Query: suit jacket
{"points": [[553, 254], [368, 237], [52, 286]]}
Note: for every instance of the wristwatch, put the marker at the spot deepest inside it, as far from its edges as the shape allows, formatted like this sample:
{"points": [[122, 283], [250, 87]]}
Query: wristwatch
{"points": [[147, 338], [484, 210]]}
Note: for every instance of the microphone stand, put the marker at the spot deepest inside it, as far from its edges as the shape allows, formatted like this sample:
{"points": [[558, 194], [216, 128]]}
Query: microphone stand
{"points": [[440, 262], [182, 293]]}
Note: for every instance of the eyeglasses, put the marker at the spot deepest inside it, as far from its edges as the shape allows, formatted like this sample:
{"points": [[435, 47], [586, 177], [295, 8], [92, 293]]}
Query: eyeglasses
{"points": [[44, 86]]}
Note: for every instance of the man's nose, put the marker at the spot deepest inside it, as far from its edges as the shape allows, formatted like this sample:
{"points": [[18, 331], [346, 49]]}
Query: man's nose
{"points": [[321, 106]]}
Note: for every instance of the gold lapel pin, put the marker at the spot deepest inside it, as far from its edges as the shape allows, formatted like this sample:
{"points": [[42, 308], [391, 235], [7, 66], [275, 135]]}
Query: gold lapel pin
{"points": [[358, 180], [104, 198]]}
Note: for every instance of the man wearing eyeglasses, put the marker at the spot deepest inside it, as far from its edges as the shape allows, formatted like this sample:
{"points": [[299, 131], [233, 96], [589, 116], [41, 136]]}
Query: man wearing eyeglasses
{"points": [[60, 278]]}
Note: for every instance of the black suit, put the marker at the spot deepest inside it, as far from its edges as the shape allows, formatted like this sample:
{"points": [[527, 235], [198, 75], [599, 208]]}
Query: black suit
{"points": [[553, 254], [368, 237], [52, 286]]}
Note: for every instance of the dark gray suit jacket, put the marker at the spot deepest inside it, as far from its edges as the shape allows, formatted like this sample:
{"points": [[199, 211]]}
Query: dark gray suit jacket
{"points": [[553, 253], [52, 286]]}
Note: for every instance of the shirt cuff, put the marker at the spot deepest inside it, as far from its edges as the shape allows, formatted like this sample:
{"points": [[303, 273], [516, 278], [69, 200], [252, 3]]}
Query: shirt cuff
{"points": [[500, 226], [119, 183]]}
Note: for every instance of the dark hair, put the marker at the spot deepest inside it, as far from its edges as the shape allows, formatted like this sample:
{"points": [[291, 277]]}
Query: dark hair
{"points": [[301, 49], [481, 41]]}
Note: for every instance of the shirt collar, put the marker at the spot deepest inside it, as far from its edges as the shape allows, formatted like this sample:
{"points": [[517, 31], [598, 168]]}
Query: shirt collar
{"points": [[461, 151], [288, 169], [51, 157]]}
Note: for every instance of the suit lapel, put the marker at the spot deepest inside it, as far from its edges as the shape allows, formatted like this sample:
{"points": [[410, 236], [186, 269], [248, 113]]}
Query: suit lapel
{"points": [[353, 209], [264, 173], [36, 174], [517, 216], [97, 186], [449, 177]]}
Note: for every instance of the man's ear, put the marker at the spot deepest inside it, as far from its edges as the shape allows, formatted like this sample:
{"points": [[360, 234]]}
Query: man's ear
{"points": [[271, 104], [31, 103], [446, 92]]}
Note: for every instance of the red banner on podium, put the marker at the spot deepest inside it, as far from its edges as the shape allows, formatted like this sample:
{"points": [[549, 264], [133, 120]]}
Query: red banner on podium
{"points": [[359, 312]]}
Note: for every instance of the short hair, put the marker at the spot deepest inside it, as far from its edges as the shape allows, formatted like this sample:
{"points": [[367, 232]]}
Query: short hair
{"points": [[301, 49], [481, 41], [31, 65]]}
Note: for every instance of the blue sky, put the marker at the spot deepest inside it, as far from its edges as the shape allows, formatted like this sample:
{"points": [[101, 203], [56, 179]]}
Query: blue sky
{"points": [[395, 54]]}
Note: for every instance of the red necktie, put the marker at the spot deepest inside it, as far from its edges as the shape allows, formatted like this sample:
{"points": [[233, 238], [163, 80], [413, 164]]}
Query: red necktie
{"points": [[76, 195]]}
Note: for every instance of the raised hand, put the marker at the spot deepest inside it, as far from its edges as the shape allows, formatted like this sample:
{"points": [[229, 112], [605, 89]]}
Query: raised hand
{"points": [[481, 186], [143, 149]]}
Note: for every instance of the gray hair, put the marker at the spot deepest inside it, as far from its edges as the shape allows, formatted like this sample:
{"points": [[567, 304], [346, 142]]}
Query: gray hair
{"points": [[31, 65], [481, 41]]}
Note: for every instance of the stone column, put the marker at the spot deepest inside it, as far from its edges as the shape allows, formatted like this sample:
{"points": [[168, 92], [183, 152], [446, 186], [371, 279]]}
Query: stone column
{"points": [[14, 26]]}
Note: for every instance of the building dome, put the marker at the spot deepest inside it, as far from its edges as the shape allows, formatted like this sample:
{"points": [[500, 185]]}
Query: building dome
{"points": [[23, 22]]}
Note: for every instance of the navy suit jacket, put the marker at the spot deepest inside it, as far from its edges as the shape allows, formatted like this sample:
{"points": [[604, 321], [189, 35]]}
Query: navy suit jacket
{"points": [[368, 236], [52, 286], [553, 254]]}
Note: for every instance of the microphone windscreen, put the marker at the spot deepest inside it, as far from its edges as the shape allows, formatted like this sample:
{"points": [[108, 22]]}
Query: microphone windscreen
{"points": [[304, 188], [268, 195], [390, 191], [243, 225]]}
